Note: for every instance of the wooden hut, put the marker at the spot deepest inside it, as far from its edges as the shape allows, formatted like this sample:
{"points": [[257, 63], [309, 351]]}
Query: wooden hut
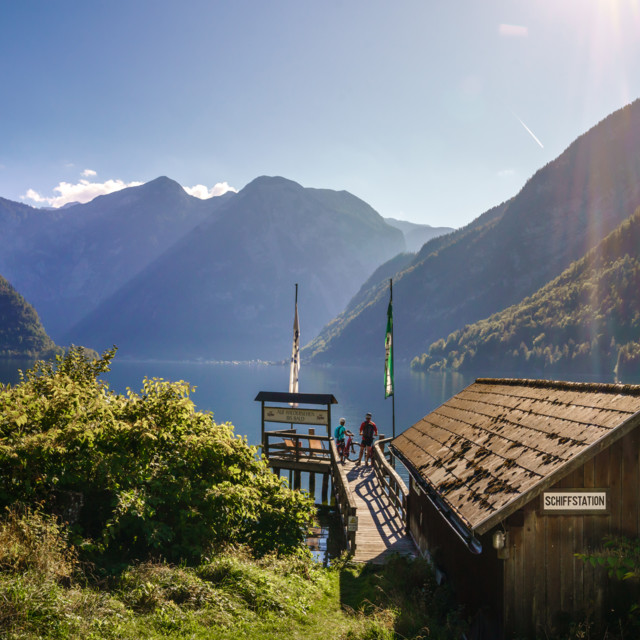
{"points": [[508, 480]]}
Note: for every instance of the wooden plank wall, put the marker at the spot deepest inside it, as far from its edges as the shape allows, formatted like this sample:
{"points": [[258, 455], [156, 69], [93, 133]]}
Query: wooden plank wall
{"points": [[475, 578], [545, 586]]}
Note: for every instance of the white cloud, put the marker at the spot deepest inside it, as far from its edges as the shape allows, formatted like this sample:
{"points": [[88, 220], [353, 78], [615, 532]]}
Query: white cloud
{"points": [[83, 191], [33, 195], [202, 192], [513, 31]]}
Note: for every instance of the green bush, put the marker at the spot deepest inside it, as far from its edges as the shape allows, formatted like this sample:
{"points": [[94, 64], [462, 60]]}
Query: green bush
{"points": [[138, 476]]}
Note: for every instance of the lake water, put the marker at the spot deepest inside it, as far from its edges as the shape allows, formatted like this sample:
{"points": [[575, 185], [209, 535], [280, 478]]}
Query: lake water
{"points": [[230, 390]]}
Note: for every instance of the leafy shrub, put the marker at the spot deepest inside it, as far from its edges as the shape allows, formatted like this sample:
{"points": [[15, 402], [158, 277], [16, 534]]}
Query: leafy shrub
{"points": [[620, 558], [618, 555], [138, 476]]}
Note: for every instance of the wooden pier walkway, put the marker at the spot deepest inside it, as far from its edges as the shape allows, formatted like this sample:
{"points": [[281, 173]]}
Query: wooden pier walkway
{"points": [[376, 498], [381, 531]]}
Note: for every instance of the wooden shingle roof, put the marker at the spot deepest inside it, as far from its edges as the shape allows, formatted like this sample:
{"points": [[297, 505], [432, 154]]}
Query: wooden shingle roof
{"points": [[498, 443]]}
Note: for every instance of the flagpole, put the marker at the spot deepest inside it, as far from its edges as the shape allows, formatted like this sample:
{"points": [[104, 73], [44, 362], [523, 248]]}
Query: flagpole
{"points": [[393, 397]]}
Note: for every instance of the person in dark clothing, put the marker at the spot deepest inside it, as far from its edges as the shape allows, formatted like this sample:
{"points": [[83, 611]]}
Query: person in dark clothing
{"points": [[368, 431]]}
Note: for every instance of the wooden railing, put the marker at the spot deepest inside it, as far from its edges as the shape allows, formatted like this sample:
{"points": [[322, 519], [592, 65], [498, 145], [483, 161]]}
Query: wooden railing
{"points": [[392, 484], [344, 498], [287, 445]]}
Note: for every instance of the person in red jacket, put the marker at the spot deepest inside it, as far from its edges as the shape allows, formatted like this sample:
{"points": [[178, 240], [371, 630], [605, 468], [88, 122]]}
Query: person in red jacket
{"points": [[368, 431]]}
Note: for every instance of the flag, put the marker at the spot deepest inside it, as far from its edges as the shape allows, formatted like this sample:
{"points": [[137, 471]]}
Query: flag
{"points": [[295, 355], [388, 348]]}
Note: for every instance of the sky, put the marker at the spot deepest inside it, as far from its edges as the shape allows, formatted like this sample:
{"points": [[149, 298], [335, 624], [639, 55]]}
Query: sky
{"points": [[430, 111]]}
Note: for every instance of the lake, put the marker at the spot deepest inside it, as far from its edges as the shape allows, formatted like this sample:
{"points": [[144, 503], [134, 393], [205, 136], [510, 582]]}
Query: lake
{"points": [[228, 390]]}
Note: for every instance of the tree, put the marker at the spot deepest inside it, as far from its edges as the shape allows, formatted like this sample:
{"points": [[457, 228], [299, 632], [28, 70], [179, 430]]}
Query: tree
{"points": [[138, 475]]}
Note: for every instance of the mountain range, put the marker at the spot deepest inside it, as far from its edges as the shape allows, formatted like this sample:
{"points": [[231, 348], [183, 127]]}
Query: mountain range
{"points": [[505, 255], [162, 274], [66, 261], [416, 235]]}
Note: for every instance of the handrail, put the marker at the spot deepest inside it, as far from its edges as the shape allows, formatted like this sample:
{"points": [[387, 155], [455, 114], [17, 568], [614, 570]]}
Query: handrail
{"points": [[293, 450], [392, 484], [293, 434], [344, 497]]}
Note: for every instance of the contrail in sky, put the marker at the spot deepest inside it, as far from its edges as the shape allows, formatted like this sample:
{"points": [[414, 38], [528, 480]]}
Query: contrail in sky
{"points": [[529, 131]]}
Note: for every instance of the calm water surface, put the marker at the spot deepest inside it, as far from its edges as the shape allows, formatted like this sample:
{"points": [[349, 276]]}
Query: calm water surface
{"points": [[230, 390]]}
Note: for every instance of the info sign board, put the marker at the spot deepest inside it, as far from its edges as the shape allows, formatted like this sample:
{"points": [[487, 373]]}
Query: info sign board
{"points": [[575, 502], [294, 415]]}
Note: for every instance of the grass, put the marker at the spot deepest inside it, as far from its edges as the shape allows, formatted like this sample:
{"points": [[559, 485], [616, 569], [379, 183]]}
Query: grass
{"points": [[46, 592]]}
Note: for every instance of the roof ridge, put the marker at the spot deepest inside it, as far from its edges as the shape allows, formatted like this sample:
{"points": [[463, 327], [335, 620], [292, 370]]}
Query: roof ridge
{"points": [[601, 387]]}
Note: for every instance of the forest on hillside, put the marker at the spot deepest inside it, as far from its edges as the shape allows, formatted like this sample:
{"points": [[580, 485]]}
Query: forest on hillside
{"points": [[586, 321], [21, 333]]}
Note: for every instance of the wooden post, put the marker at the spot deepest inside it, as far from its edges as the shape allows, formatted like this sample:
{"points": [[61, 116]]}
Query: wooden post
{"points": [[296, 479], [312, 485], [325, 488]]}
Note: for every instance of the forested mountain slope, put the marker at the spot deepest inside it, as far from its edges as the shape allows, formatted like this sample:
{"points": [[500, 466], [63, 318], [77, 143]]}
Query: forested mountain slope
{"points": [[21, 333], [586, 321]]}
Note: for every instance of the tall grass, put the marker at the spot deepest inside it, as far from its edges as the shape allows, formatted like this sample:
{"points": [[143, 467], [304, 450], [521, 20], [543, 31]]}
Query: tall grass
{"points": [[46, 593]]}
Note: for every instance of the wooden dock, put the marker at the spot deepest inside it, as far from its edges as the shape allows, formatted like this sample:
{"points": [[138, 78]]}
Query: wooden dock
{"points": [[371, 500], [381, 531], [376, 497]]}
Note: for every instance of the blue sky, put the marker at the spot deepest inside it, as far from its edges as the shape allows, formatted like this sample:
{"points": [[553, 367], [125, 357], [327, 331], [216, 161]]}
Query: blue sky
{"points": [[430, 111]]}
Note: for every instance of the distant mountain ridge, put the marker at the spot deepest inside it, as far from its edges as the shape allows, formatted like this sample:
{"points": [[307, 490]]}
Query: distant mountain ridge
{"points": [[511, 251], [225, 289], [67, 261], [585, 321], [415, 235]]}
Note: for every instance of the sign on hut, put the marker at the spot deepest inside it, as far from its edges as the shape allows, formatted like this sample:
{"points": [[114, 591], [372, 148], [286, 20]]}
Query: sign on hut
{"points": [[509, 479]]}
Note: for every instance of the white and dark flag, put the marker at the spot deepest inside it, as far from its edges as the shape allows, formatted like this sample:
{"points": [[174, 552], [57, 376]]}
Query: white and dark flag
{"points": [[388, 353], [295, 355]]}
